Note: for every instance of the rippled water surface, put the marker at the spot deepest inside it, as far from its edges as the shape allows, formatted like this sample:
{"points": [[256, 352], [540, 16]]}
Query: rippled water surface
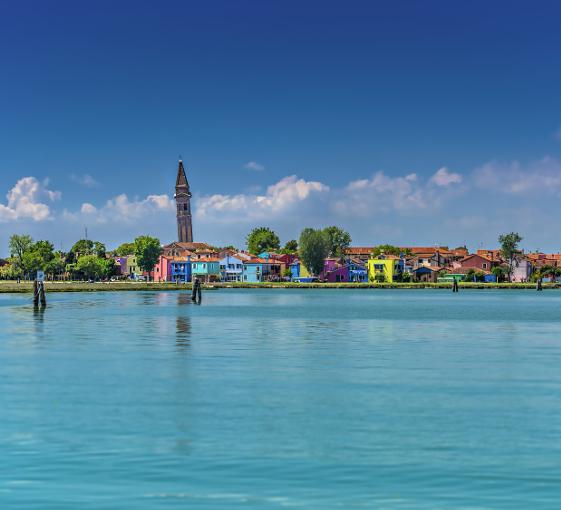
{"points": [[281, 398]]}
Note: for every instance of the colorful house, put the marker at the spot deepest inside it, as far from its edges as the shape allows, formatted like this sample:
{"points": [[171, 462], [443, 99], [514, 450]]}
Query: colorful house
{"points": [[180, 270], [132, 269], [357, 271], [385, 270], [207, 269], [300, 273], [231, 269], [162, 269]]}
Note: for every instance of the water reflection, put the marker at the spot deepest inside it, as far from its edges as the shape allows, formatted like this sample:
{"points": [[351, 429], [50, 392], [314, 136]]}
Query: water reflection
{"points": [[183, 322]]}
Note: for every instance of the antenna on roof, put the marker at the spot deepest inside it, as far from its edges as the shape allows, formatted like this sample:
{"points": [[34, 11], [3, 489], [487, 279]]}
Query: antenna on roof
{"points": [[180, 158]]}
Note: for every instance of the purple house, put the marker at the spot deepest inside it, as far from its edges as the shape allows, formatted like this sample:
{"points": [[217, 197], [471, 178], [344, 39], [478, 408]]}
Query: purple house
{"points": [[334, 272]]}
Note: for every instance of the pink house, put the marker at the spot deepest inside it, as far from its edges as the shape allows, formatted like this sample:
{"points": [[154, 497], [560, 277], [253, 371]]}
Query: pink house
{"points": [[162, 270]]}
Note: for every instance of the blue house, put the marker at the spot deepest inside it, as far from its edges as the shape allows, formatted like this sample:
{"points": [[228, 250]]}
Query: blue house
{"points": [[357, 272], [253, 270], [181, 270], [231, 269]]}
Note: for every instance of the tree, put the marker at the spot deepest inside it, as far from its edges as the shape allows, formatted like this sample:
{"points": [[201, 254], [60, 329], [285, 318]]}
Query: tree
{"points": [[290, 247], [509, 250], [147, 250], [55, 267], [45, 250], [91, 266], [262, 239], [124, 249], [389, 249], [314, 247], [86, 247], [499, 272], [109, 267], [18, 246], [338, 241]]}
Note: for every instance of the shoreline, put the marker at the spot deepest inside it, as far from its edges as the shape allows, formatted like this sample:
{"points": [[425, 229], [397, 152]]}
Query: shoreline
{"points": [[27, 287]]}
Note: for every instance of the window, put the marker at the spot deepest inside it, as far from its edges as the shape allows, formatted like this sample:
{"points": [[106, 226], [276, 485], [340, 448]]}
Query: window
{"points": [[484, 265]]}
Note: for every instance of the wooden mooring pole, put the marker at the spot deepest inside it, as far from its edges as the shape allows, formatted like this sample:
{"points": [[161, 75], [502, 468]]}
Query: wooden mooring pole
{"points": [[39, 293]]}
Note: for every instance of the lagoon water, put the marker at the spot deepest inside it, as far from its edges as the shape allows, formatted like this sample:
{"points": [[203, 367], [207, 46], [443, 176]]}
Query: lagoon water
{"points": [[266, 399]]}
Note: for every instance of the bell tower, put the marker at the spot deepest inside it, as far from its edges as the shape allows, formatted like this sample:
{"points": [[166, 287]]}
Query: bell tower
{"points": [[183, 201]]}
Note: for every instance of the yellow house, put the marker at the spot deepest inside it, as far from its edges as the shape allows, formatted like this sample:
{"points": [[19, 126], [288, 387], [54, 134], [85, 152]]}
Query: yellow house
{"points": [[385, 270], [131, 268]]}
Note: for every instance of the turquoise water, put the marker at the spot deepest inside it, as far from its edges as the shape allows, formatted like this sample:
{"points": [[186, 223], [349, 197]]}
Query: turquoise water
{"points": [[266, 399]]}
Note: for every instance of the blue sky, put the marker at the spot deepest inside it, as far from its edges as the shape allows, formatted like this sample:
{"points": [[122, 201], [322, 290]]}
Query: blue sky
{"points": [[404, 122]]}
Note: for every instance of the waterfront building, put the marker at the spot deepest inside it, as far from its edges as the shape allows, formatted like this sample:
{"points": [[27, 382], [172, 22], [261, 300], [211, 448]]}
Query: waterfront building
{"points": [[180, 270], [132, 269], [183, 203], [357, 271], [425, 274], [477, 262], [300, 272], [231, 269], [162, 269], [388, 269], [362, 253], [180, 249], [207, 269], [522, 270]]}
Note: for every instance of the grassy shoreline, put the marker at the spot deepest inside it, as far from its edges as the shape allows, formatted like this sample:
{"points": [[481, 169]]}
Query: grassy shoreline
{"points": [[27, 287]]}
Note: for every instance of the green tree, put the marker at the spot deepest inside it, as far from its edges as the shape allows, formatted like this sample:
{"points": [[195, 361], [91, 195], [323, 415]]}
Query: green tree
{"points": [[290, 247], [262, 239], [18, 246], [86, 247], [91, 266], [109, 268], [389, 249], [45, 249], [509, 250], [338, 241], [55, 267], [499, 272], [313, 248], [124, 249], [147, 250]]}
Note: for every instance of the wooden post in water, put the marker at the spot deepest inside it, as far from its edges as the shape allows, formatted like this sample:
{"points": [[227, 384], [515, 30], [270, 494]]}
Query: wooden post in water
{"points": [[35, 293], [42, 297], [39, 293], [539, 284], [455, 287], [196, 294]]}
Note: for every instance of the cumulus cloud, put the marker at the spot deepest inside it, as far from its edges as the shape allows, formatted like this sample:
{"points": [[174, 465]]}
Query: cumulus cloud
{"points": [[289, 191], [381, 193], [443, 177], [517, 178], [85, 180], [24, 201], [122, 209], [253, 165]]}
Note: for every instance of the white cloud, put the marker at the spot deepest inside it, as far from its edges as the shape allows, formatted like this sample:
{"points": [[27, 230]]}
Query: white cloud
{"points": [[443, 177], [253, 165], [289, 191], [543, 176], [85, 180], [122, 209], [24, 201], [381, 193]]}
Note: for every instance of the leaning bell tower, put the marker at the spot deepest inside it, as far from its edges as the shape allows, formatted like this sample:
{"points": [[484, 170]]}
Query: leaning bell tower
{"points": [[183, 201]]}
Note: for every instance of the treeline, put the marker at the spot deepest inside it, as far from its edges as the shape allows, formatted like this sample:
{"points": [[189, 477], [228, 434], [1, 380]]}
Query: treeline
{"points": [[86, 260]]}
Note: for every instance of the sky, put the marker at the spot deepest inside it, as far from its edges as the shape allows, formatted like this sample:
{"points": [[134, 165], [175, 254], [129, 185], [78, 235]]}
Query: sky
{"points": [[410, 123]]}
